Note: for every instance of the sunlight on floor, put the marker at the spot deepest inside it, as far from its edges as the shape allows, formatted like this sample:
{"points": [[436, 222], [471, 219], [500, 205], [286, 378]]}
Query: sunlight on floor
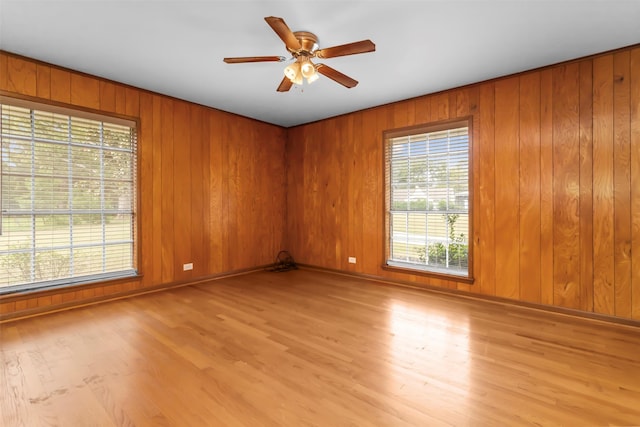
{"points": [[421, 342]]}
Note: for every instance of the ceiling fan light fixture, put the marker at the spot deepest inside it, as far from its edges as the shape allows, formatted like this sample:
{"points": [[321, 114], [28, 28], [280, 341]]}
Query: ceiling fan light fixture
{"points": [[303, 46], [313, 77], [298, 80], [292, 71], [307, 69]]}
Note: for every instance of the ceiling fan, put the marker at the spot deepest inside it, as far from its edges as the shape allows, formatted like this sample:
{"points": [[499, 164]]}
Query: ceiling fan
{"points": [[303, 46]]}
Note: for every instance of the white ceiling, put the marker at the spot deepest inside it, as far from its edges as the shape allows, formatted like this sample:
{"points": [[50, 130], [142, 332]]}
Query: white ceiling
{"points": [[175, 47]]}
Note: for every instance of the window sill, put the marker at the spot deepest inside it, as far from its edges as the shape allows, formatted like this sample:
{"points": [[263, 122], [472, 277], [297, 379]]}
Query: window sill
{"points": [[53, 290], [419, 272]]}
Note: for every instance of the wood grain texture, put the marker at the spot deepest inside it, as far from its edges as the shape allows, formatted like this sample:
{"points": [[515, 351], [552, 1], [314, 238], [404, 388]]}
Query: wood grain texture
{"points": [[486, 190], [371, 246], [179, 181], [474, 102], [529, 191], [4, 72], [622, 184], [197, 195], [546, 187], [108, 96], [85, 91], [240, 352], [569, 157], [439, 107], [566, 186], [145, 177], [507, 200], [635, 180], [182, 168], [603, 205], [586, 185], [543, 195], [167, 231], [43, 81], [60, 85], [21, 76]]}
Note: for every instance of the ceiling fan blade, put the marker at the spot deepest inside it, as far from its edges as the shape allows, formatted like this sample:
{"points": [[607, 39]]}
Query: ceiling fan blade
{"points": [[285, 85], [362, 46], [337, 76], [243, 59], [282, 30]]}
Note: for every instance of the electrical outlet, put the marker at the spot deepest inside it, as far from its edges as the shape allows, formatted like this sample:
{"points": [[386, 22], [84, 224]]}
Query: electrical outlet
{"points": [[352, 260], [186, 267]]}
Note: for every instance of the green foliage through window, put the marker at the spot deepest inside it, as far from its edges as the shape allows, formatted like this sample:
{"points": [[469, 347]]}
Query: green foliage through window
{"points": [[68, 193], [427, 200]]}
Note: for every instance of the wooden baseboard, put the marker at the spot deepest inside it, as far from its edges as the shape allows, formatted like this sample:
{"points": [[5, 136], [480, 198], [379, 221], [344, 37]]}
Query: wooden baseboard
{"points": [[38, 311], [484, 298]]}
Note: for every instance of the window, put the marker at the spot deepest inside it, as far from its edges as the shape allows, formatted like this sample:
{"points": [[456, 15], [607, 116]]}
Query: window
{"points": [[68, 195], [427, 202]]}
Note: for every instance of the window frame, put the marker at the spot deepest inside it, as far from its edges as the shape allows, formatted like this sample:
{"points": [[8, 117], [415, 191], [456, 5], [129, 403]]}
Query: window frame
{"points": [[430, 127], [92, 280]]}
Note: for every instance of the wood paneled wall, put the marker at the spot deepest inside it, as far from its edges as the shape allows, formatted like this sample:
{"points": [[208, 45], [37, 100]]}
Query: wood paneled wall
{"points": [[555, 172], [211, 184], [556, 183]]}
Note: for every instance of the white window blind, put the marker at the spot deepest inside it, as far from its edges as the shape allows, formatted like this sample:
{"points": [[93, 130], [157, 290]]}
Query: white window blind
{"points": [[68, 197], [427, 200]]}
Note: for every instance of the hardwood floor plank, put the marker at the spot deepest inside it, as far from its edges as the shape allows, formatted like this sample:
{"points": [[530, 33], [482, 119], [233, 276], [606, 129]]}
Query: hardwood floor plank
{"points": [[307, 348]]}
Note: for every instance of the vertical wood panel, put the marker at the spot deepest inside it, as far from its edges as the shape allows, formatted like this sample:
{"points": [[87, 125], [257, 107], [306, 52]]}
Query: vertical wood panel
{"points": [[85, 91], [355, 213], [60, 85], [181, 190], [132, 102], [546, 187], [474, 102], [339, 195], [586, 185], [439, 107], [145, 179], [622, 184], [246, 228], [422, 110], [4, 82], [294, 188], [566, 186], [507, 230], [529, 208], [411, 112], [21, 76], [460, 108], [7, 307], [462, 103], [197, 196], [370, 256], [217, 240], [43, 81], [634, 74], [156, 191], [229, 202], [586, 167], [401, 114], [277, 191], [384, 123], [603, 206], [107, 96], [329, 184], [167, 239], [486, 193], [121, 99]]}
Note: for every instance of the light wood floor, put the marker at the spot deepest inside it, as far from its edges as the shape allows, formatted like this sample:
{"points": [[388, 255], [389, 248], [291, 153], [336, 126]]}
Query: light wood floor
{"points": [[306, 348]]}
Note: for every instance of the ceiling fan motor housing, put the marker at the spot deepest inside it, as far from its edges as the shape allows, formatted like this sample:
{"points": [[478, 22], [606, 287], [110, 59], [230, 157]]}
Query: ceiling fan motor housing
{"points": [[308, 42]]}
